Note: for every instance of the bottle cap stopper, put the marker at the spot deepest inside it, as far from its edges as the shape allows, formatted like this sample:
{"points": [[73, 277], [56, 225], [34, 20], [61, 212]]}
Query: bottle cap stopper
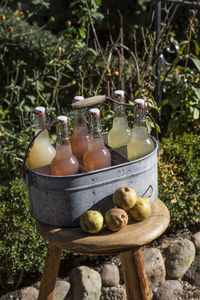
{"points": [[78, 98], [119, 94], [94, 112], [62, 120], [139, 102], [40, 110]]}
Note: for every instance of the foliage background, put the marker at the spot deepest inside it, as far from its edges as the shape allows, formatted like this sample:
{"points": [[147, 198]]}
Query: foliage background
{"points": [[52, 50]]}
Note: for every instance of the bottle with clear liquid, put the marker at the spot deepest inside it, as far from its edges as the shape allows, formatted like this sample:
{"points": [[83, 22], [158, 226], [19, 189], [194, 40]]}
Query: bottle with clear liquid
{"points": [[140, 143], [42, 152], [79, 137], [64, 163], [97, 156], [120, 133]]}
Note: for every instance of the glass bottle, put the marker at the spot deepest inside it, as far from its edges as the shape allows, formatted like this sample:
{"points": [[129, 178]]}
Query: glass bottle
{"points": [[120, 133], [79, 137], [97, 156], [64, 163], [42, 152], [140, 143]]}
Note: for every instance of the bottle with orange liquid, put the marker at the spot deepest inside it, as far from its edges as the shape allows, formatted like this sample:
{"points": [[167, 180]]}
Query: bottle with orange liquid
{"points": [[42, 152], [97, 156], [79, 137], [64, 163]]}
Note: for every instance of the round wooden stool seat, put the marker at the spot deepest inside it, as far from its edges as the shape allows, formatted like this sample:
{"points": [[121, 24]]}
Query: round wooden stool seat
{"points": [[135, 235], [127, 242]]}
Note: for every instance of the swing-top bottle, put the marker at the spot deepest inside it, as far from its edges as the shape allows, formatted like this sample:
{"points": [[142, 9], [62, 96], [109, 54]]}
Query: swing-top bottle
{"points": [[42, 152], [64, 163], [140, 143], [120, 133], [97, 156], [79, 137]]}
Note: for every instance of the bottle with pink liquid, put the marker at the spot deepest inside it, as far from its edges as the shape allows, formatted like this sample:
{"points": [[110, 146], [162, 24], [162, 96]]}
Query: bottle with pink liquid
{"points": [[97, 155], [64, 163], [79, 137]]}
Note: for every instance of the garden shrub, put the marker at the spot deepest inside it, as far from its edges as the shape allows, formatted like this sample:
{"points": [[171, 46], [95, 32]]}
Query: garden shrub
{"points": [[22, 249], [12, 149], [179, 184]]}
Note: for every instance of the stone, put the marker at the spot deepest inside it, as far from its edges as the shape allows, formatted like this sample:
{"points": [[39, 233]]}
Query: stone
{"points": [[179, 257], [193, 273], [85, 284], [167, 242], [196, 241], [170, 290], [114, 293], [27, 293], [155, 267], [110, 275], [61, 290]]}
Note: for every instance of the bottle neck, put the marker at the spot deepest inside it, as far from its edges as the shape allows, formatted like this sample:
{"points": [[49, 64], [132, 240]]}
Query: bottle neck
{"points": [[119, 109], [95, 127], [62, 135], [40, 121], [140, 117], [79, 117]]}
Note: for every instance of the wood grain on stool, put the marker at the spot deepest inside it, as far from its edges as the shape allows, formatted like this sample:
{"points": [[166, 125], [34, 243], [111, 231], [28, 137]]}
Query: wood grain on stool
{"points": [[135, 235], [50, 272], [135, 277]]}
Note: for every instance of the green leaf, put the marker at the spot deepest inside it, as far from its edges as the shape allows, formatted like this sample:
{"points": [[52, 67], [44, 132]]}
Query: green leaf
{"points": [[196, 113], [31, 98], [98, 2], [197, 47], [197, 91], [92, 51], [196, 61], [82, 33], [52, 77]]}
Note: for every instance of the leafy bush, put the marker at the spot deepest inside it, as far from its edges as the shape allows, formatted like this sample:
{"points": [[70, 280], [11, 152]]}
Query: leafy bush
{"points": [[179, 185], [12, 147], [22, 249]]}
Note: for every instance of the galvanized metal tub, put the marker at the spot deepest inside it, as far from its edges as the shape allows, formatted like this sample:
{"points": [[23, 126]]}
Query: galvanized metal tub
{"points": [[60, 201]]}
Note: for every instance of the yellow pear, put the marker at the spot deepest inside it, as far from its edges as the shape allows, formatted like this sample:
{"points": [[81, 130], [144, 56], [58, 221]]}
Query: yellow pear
{"points": [[116, 219], [91, 221], [125, 197], [142, 209]]}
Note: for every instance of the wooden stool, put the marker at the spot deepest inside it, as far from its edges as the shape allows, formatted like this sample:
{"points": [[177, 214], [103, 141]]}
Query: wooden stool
{"points": [[127, 242]]}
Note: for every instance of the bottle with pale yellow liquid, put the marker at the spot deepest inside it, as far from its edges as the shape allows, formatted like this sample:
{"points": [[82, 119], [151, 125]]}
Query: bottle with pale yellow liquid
{"points": [[42, 152], [140, 143], [120, 133]]}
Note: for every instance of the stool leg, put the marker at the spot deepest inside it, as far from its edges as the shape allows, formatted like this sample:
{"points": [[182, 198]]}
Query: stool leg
{"points": [[135, 278], [50, 272]]}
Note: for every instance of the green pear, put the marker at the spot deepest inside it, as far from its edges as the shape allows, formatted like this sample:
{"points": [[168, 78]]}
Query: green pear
{"points": [[125, 197], [116, 219], [142, 209], [91, 221]]}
